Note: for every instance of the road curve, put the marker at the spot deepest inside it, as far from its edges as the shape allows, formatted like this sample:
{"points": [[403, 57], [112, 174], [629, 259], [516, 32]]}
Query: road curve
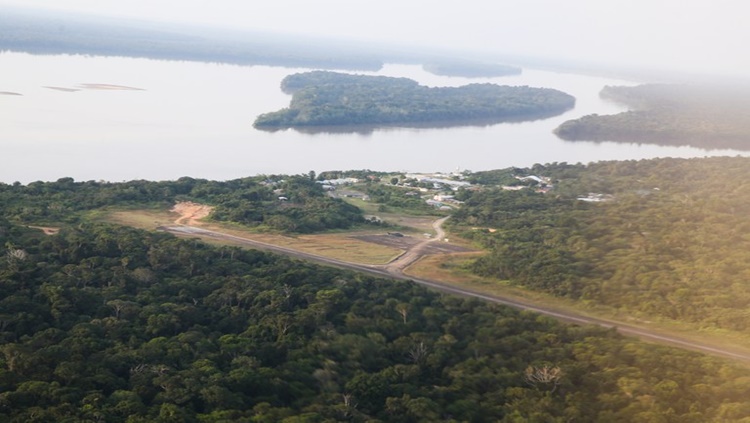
{"points": [[395, 272], [415, 252]]}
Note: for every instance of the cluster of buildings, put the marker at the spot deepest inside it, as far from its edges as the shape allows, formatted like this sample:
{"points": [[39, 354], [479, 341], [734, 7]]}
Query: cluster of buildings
{"points": [[438, 181], [543, 183], [596, 198], [331, 184]]}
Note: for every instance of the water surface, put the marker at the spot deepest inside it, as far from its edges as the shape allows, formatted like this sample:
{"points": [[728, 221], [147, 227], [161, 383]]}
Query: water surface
{"points": [[115, 119]]}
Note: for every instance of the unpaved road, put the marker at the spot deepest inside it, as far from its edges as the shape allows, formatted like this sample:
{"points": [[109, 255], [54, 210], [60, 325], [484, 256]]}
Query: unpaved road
{"points": [[397, 266], [395, 270]]}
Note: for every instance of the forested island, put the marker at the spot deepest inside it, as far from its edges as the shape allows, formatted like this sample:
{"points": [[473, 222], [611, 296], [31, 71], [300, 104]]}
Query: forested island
{"points": [[321, 98], [105, 323], [711, 117]]}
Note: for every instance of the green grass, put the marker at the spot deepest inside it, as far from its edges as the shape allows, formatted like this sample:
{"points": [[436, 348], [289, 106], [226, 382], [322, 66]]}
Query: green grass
{"points": [[340, 246]]}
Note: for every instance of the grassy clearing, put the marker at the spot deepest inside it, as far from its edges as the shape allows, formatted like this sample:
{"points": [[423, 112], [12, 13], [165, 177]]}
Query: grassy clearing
{"points": [[142, 219], [338, 246], [450, 269], [399, 221]]}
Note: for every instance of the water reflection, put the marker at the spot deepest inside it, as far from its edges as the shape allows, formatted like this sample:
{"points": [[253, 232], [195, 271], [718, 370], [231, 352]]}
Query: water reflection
{"points": [[369, 129]]}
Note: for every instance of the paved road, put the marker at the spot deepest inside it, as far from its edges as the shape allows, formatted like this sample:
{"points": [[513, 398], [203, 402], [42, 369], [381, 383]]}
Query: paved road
{"points": [[396, 272]]}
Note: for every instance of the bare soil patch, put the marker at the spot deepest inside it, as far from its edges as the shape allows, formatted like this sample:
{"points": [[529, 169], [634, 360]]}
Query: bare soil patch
{"points": [[46, 229], [190, 213]]}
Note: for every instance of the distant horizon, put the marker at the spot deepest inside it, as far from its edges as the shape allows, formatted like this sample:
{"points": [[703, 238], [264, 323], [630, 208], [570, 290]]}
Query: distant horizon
{"points": [[582, 66], [694, 37]]}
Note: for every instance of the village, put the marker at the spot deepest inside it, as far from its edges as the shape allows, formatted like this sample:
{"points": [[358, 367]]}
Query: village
{"points": [[438, 190]]}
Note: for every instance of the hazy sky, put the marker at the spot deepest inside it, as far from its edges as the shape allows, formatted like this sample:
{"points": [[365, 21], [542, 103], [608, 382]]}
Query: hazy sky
{"points": [[699, 35]]}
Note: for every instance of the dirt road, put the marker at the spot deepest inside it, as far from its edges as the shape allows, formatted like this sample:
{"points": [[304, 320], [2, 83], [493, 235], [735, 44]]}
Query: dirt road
{"points": [[395, 270], [397, 266]]}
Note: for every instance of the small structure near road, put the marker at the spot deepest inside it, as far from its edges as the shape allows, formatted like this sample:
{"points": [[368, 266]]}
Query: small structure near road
{"points": [[596, 198]]}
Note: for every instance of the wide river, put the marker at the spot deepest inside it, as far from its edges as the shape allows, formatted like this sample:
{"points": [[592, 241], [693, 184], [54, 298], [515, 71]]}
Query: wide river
{"points": [[195, 119]]}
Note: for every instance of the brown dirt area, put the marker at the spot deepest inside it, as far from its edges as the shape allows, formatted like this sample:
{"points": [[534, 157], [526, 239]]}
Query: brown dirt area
{"points": [[190, 213], [46, 229]]}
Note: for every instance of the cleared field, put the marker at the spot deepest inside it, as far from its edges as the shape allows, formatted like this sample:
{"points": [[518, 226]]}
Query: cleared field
{"points": [[344, 247], [142, 219], [404, 242], [337, 246], [445, 268], [415, 223]]}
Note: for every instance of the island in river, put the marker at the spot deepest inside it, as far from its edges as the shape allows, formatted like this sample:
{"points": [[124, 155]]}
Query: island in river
{"points": [[322, 98], [696, 115]]}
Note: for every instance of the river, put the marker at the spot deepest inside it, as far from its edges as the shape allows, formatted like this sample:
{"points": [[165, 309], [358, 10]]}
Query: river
{"points": [[195, 119]]}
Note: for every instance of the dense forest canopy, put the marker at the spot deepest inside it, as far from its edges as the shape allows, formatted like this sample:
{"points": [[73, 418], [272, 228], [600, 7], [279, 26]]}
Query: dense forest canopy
{"points": [[663, 238], [328, 99], [701, 116], [104, 323]]}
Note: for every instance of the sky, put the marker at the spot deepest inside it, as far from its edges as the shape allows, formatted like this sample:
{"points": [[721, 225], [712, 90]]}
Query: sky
{"points": [[697, 36]]}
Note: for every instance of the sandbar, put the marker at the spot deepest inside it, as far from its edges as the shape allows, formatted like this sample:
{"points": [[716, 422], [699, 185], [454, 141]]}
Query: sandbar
{"points": [[111, 87], [64, 89]]}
